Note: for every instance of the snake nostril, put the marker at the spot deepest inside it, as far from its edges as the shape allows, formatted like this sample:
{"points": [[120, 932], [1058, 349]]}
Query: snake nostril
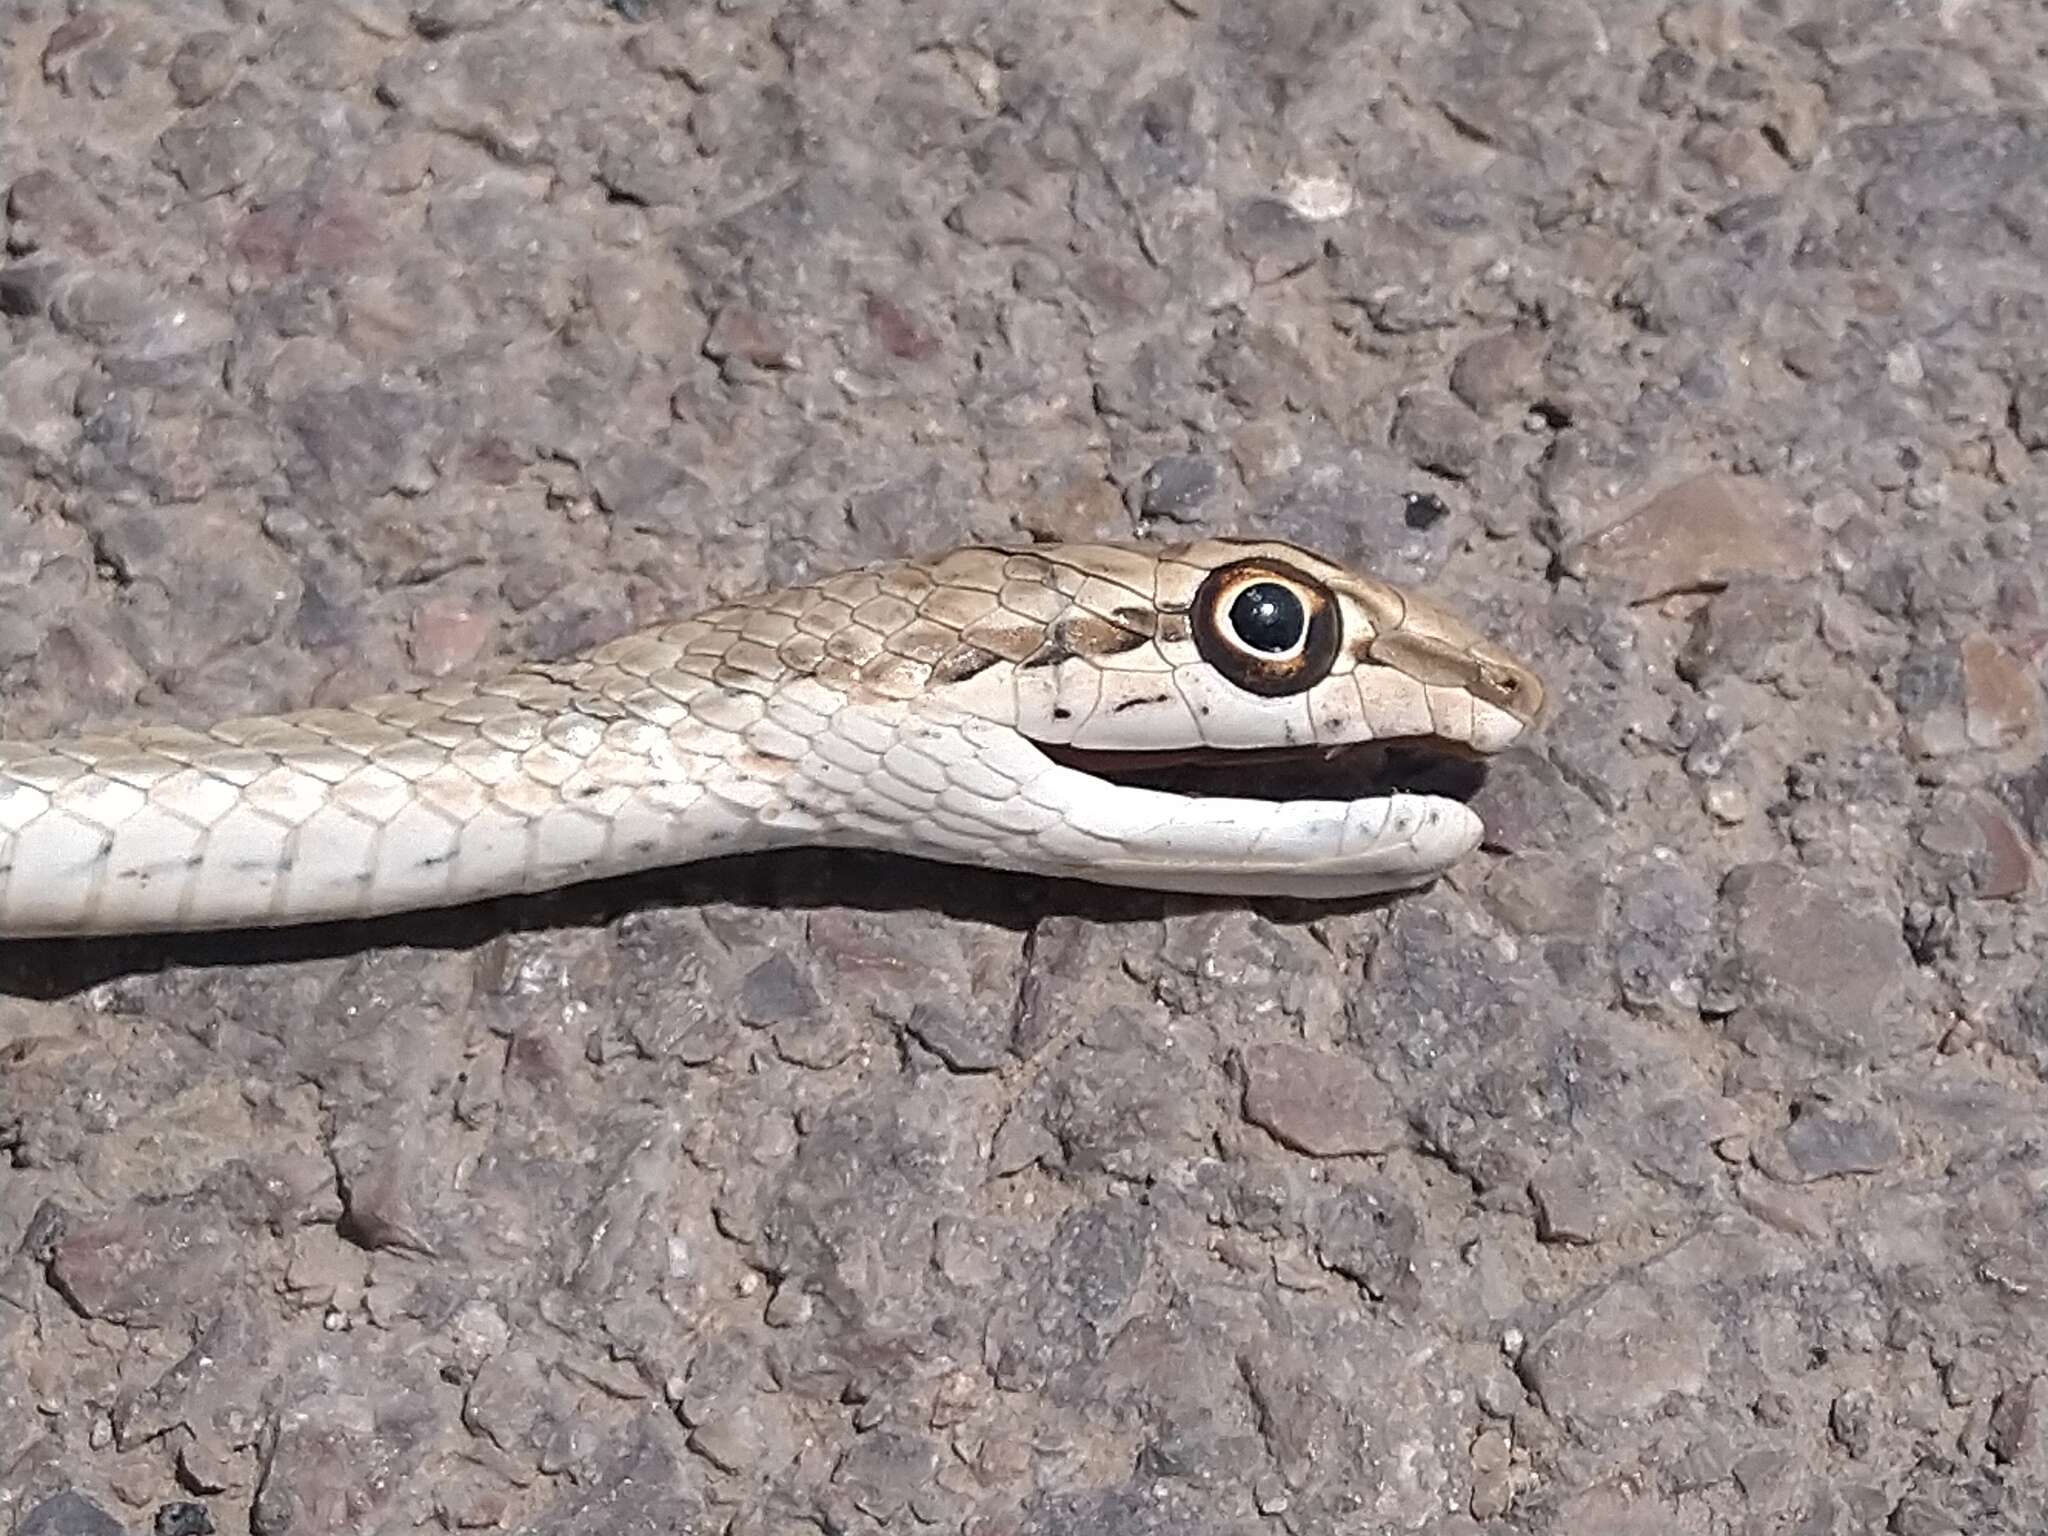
{"points": [[1510, 685]]}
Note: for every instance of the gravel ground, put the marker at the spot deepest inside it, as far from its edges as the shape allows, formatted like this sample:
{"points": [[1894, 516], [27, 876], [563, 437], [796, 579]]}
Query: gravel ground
{"points": [[1680, 1166]]}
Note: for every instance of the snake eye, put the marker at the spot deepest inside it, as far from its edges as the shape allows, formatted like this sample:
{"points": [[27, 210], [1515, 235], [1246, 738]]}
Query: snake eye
{"points": [[1269, 618], [1266, 627]]}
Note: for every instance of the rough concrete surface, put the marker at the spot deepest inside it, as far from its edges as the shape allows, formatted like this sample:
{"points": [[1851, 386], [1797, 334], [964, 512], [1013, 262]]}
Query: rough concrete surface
{"points": [[1679, 1166]]}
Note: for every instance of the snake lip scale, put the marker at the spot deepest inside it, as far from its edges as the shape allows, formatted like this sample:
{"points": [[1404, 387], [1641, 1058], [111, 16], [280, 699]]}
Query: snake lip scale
{"points": [[1236, 717]]}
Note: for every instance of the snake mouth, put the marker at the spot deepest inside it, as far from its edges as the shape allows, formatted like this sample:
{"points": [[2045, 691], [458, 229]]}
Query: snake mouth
{"points": [[1363, 770]]}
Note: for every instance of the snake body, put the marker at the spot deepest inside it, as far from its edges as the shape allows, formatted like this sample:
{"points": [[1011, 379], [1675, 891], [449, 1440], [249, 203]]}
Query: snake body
{"points": [[952, 708]]}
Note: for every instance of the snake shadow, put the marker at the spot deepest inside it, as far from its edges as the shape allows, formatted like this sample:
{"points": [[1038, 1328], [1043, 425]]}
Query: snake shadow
{"points": [[801, 879]]}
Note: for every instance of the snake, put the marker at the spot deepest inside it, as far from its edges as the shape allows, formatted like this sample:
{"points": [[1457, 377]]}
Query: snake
{"points": [[1234, 717]]}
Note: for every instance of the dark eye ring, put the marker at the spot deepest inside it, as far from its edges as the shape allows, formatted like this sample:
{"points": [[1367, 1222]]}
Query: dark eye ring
{"points": [[1267, 627]]}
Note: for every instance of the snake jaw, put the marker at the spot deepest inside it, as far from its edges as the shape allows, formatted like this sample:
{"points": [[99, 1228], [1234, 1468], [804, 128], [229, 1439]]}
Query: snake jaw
{"points": [[1105, 819], [1344, 822]]}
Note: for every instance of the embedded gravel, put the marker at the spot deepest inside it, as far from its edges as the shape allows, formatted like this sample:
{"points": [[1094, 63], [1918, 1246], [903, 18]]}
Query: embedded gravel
{"points": [[1678, 1166]]}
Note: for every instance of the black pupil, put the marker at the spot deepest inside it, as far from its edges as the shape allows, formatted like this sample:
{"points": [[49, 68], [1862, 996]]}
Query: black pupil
{"points": [[1268, 617]]}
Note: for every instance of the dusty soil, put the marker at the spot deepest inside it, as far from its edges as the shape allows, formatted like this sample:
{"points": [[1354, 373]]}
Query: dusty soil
{"points": [[1680, 1166]]}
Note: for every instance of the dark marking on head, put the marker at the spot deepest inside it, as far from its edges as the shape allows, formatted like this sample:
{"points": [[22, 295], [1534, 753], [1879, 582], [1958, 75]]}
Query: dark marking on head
{"points": [[963, 662], [1008, 642], [1086, 635], [1083, 636], [1139, 621]]}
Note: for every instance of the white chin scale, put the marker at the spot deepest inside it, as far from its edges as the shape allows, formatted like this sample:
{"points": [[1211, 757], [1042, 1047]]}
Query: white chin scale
{"points": [[1309, 848]]}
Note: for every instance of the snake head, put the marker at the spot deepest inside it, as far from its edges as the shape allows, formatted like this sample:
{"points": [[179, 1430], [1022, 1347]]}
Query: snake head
{"points": [[1238, 716]]}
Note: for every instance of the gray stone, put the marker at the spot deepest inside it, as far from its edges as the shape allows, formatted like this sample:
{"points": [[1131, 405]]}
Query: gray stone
{"points": [[311, 1473], [202, 1386], [1069, 1301], [1498, 372], [1760, 1473], [741, 336], [1918, 1516], [2023, 1028], [1319, 1103], [2014, 1427], [2030, 408], [203, 67], [776, 991], [221, 147], [1568, 1208], [1750, 630], [1147, 1509], [509, 1403], [1821, 964], [1825, 1143], [744, 1436], [659, 172], [1128, 1111], [1850, 1421], [1272, 239], [1545, 893], [1701, 534], [182, 1517], [53, 212], [884, 1469], [1369, 1235], [27, 287], [147, 1266], [1176, 488], [637, 483], [974, 1042], [69, 1513], [1663, 936], [136, 326], [367, 439], [38, 400], [1439, 434], [1624, 1353], [640, 1487]]}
